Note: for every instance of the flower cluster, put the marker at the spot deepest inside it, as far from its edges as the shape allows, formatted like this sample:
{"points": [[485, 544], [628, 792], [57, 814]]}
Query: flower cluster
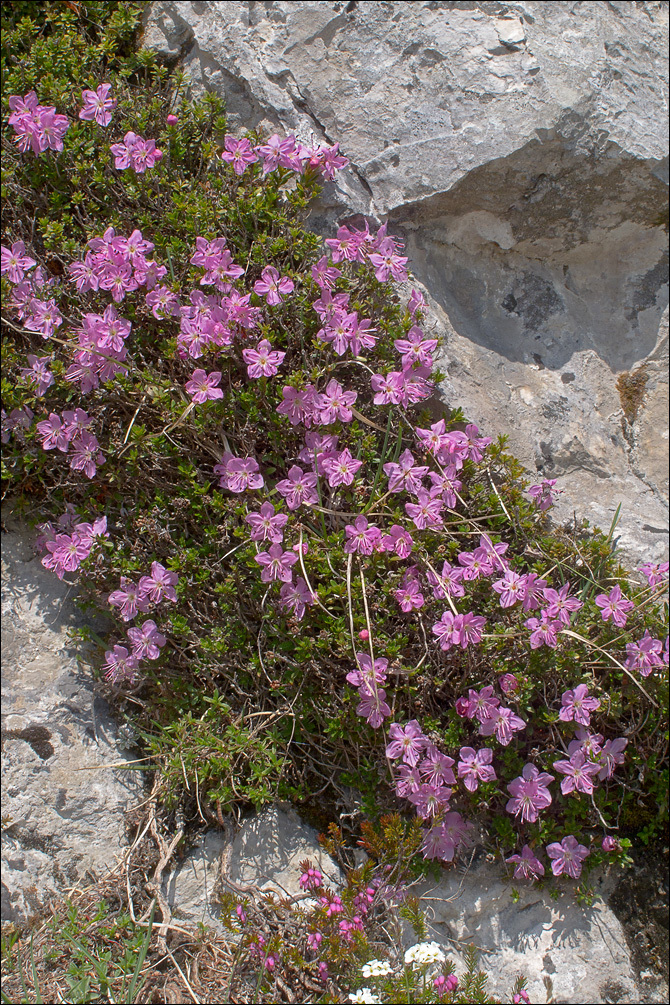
{"points": [[38, 127], [284, 153], [72, 430], [136, 153]]}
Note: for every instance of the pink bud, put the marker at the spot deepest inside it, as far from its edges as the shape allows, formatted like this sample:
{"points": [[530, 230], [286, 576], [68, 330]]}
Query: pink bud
{"points": [[508, 682], [462, 705], [610, 843], [172, 120], [365, 635], [158, 155]]}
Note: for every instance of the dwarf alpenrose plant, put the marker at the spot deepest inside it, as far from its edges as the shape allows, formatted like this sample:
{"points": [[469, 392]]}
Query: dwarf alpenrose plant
{"points": [[318, 577]]}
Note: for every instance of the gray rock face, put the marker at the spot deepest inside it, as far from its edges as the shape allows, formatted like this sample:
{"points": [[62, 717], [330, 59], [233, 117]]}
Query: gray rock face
{"points": [[266, 852], [62, 804], [582, 950], [520, 149]]}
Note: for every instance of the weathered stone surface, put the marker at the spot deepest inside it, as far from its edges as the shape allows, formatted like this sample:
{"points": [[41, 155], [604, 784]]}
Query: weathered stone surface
{"points": [[62, 804], [582, 950], [520, 149], [266, 852]]}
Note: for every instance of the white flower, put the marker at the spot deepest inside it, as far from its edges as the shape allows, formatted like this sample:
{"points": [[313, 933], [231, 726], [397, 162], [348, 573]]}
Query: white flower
{"points": [[376, 968], [424, 952], [365, 996]]}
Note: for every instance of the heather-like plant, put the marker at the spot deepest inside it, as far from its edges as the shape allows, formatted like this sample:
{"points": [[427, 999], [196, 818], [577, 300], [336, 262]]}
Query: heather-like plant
{"points": [[321, 577]]}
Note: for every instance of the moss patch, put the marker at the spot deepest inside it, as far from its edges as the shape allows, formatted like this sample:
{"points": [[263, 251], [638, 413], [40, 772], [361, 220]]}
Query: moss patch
{"points": [[631, 387]]}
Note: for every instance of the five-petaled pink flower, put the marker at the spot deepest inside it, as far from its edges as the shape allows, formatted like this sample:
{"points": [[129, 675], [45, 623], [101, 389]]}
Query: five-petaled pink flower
{"points": [[529, 794], [160, 585], [276, 564], [341, 468], [263, 361], [203, 386], [15, 262], [242, 474], [579, 772], [267, 525], [362, 537], [147, 641], [295, 597], [120, 665], [272, 286], [567, 857], [577, 705], [407, 742], [299, 488], [615, 606], [527, 865], [98, 105], [475, 766], [239, 153]]}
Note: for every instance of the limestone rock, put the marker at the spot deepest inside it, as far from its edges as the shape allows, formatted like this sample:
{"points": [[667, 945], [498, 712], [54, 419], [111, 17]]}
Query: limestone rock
{"points": [[582, 950], [62, 804], [266, 851], [520, 149]]}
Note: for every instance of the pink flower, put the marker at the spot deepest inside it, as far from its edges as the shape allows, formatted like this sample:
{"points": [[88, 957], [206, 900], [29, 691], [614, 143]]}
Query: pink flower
{"points": [[527, 865], [147, 641], [447, 630], [508, 682], [398, 541], [267, 525], [120, 665], [415, 348], [163, 303], [160, 585], [335, 403], [272, 287], [239, 153], [278, 152], [387, 263], [38, 374], [341, 469], [388, 389], [533, 588], [577, 705], [45, 317], [54, 434], [311, 879], [643, 655], [373, 708], [368, 674], [299, 406], [409, 596], [324, 274], [475, 564], [276, 564], [86, 454], [560, 605], [543, 631], [654, 572], [436, 767], [407, 742], [172, 120], [475, 767], [263, 361], [130, 599], [611, 754], [426, 511], [416, 302], [579, 773], [567, 857], [296, 597], [448, 583], [615, 606], [511, 588], [529, 794], [203, 386], [406, 475], [15, 262], [243, 474], [361, 537], [482, 704], [543, 494], [442, 840], [504, 723], [430, 800], [98, 105], [299, 488]]}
